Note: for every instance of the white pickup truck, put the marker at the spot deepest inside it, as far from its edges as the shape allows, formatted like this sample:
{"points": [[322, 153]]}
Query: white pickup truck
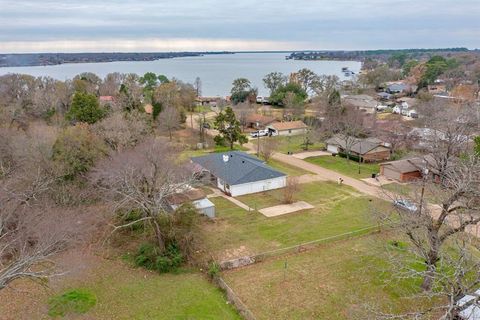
{"points": [[259, 133]]}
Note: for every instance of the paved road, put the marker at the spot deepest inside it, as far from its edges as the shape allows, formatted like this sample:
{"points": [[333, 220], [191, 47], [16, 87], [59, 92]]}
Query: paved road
{"points": [[323, 174]]}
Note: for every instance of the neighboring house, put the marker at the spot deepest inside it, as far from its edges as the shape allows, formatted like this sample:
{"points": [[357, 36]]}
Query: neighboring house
{"points": [[287, 128], [472, 311], [237, 173], [425, 138], [107, 101], [402, 170], [437, 88], [197, 198], [399, 88], [258, 121], [361, 101], [406, 170], [384, 95], [367, 150], [208, 101]]}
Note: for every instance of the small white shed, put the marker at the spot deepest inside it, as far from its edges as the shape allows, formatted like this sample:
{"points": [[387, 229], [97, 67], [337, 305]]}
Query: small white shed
{"points": [[205, 206]]}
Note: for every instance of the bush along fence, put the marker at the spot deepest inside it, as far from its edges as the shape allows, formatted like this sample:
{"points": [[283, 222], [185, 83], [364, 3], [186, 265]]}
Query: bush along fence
{"points": [[248, 260]]}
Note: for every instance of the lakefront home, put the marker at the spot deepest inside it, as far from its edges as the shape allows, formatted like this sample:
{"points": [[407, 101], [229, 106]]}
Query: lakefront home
{"points": [[237, 173]]}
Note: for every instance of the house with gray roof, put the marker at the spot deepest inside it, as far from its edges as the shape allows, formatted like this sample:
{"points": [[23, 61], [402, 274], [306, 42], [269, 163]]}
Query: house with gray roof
{"points": [[237, 173], [366, 150]]}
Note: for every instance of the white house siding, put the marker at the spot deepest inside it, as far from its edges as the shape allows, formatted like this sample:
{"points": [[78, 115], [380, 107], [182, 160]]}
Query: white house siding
{"points": [[258, 186], [221, 187], [292, 132], [332, 148]]}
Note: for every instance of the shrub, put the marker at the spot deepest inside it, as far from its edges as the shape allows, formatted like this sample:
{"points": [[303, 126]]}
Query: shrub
{"points": [[150, 257], [74, 301], [213, 269]]}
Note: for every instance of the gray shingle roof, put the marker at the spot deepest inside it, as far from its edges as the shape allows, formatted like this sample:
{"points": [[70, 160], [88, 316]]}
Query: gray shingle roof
{"points": [[240, 167], [360, 146]]}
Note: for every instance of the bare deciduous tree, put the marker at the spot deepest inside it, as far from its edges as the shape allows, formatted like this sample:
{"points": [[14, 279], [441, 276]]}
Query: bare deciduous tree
{"points": [[447, 134], [169, 120], [31, 229], [122, 130], [268, 147], [290, 190], [143, 179], [430, 227]]}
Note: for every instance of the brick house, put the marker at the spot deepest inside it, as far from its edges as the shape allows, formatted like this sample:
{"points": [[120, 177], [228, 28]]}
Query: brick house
{"points": [[402, 170], [406, 170]]}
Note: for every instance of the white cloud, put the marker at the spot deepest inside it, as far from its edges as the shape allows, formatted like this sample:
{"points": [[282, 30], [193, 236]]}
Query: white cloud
{"points": [[146, 45], [322, 24]]}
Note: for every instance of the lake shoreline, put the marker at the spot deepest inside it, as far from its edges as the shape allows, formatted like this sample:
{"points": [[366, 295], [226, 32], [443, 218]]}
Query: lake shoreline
{"points": [[216, 71]]}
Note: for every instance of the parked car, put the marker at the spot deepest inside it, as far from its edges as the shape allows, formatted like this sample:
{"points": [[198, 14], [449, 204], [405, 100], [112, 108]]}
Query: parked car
{"points": [[412, 114], [259, 133], [405, 205], [382, 108], [262, 100], [206, 125]]}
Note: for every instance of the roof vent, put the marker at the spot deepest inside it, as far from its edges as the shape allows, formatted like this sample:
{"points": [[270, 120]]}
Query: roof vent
{"points": [[243, 161]]}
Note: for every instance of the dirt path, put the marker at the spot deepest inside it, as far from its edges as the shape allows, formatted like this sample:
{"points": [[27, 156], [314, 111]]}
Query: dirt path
{"points": [[193, 122]]}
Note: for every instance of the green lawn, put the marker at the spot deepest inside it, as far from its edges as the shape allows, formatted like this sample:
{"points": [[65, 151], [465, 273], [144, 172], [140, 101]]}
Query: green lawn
{"points": [[183, 296], [338, 209], [121, 292], [201, 109], [286, 168], [187, 154], [292, 144], [346, 167], [333, 281], [125, 293]]}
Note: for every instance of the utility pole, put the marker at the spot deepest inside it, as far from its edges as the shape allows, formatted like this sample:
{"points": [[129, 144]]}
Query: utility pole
{"points": [[424, 178], [360, 157], [258, 143], [258, 139]]}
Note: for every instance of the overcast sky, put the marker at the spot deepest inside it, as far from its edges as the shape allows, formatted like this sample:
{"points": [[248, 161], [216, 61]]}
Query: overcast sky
{"points": [[197, 25]]}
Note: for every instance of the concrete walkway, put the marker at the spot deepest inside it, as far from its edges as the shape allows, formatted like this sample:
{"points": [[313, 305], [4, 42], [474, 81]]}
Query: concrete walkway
{"points": [[285, 208], [379, 181], [238, 203], [329, 175], [308, 154], [219, 193]]}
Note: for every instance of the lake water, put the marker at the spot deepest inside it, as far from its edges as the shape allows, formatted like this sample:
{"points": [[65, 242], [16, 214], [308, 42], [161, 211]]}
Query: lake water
{"points": [[216, 71]]}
